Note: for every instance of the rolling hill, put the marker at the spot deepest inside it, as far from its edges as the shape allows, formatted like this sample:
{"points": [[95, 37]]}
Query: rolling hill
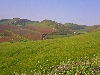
{"points": [[17, 29], [23, 29], [50, 56]]}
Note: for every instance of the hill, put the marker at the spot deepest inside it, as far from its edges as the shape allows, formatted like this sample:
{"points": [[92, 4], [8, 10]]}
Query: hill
{"points": [[45, 23], [23, 29], [12, 33], [17, 29], [92, 28], [70, 55], [75, 26]]}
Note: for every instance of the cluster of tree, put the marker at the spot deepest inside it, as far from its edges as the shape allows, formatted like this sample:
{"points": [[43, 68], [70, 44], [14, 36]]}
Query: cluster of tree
{"points": [[4, 34], [18, 23], [63, 30], [4, 20]]}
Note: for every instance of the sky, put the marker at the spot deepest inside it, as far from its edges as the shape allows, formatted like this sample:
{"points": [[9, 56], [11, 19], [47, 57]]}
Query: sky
{"points": [[82, 12]]}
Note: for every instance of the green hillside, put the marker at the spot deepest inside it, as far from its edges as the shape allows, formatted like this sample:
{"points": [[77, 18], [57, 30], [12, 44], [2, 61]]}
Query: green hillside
{"points": [[40, 56], [74, 26], [62, 30], [44, 23], [22, 22]]}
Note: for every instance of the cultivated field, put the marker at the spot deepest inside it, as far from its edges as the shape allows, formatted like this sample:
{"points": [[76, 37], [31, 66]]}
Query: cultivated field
{"points": [[10, 33]]}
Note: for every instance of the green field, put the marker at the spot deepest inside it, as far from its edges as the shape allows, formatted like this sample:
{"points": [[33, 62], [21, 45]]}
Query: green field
{"points": [[48, 57], [44, 23], [57, 36]]}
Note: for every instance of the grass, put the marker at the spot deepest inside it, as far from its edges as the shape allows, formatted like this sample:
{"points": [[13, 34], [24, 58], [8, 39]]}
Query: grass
{"points": [[57, 36], [45, 24], [39, 56]]}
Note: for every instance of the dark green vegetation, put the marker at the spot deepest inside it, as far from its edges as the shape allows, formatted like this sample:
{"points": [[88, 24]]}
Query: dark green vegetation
{"points": [[66, 56]]}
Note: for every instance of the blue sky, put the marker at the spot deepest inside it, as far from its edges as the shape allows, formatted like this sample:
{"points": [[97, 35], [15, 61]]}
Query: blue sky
{"points": [[63, 11]]}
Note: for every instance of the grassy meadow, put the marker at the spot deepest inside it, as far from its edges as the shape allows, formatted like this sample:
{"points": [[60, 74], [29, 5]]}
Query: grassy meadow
{"points": [[75, 55]]}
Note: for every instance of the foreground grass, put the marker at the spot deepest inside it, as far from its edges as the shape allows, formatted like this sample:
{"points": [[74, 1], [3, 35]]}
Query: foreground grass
{"points": [[78, 66], [39, 56]]}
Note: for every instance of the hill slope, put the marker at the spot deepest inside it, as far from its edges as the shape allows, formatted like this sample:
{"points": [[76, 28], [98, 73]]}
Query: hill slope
{"points": [[10, 33], [62, 30], [44, 23], [40, 55]]}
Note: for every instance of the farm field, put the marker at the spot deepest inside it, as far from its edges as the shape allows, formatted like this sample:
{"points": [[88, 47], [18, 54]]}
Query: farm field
{"points": [[75, 55], [10, 33]]}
